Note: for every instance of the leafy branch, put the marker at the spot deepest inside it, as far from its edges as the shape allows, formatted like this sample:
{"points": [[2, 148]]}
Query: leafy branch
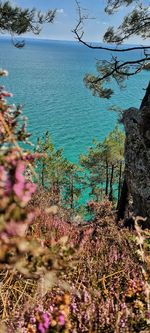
{"points": [[18, 21], [136, 23]]}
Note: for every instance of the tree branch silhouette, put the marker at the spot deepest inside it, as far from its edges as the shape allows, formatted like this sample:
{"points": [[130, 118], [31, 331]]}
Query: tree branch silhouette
{"points": [[17, 21], [136, 23]]}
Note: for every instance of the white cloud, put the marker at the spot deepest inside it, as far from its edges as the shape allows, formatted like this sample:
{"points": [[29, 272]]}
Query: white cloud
{"points": [[60, 11]]}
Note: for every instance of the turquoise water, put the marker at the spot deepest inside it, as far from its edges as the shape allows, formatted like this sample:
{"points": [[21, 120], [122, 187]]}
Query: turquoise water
{"points": [[47, 78]]}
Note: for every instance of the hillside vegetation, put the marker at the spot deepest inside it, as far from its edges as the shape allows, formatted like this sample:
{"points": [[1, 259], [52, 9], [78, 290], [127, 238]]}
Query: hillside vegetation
{"points": [[60, 273]]}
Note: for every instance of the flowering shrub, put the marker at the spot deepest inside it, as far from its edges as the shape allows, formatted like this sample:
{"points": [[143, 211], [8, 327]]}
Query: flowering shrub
{"points": [[15, 190], [111, 293], [57, 276], [108, 292], [23, 257], [50, 317]]}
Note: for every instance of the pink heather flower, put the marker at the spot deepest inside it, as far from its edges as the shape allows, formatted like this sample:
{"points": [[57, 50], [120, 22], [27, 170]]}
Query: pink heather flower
{"points": [[61, 320], [19, 172], [18, 189], [45, 320], [41, 328], [86, 296], [20, 180], [30, 187], [15, 228], [51, 308], [74, 307], [148, 314], [32, 320], [29, 190], [23, 190]]}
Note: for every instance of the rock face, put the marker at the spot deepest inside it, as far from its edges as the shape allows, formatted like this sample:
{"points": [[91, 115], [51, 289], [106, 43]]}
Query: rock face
{"points": [[137, 156]]}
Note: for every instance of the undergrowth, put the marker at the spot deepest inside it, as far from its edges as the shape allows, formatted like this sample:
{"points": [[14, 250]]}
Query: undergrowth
{"points": [[57, 276]]}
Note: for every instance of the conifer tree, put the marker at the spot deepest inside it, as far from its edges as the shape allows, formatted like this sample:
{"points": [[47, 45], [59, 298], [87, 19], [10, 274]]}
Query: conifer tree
{"points": [[61, 177], [95, 171], [104, 164], [114, 144], [72, 187], [51, 167]]}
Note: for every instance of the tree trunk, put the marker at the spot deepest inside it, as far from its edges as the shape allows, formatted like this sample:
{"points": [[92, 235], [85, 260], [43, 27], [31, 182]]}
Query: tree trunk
{"points": [[56, 193], [111, 183], [123, 201], [107, 178], [119, 182], [145, 99], [43, 165], [71, 193]]}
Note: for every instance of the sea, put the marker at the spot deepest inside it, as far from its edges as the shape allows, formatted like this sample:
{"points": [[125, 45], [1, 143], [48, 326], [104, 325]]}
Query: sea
{"points": [[46, 77]]}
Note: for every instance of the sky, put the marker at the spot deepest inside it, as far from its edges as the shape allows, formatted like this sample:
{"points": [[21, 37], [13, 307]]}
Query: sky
{"points": [[66, 17]]}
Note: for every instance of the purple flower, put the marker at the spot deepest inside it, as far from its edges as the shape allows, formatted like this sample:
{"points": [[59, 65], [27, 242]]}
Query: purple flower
{"points": [[19, 172], [16, 228], [148, 314], [41, 328], [45, 320], [61, 320], [32, 320]]}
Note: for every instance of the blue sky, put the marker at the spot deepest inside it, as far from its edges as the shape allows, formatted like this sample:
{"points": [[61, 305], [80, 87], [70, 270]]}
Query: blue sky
{"points": [[66, 18]]}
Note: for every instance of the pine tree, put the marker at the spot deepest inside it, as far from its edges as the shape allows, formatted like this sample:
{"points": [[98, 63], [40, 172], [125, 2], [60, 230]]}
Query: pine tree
{"points": [[59, 176], [51, 167], [104, 164], [72, 187]]}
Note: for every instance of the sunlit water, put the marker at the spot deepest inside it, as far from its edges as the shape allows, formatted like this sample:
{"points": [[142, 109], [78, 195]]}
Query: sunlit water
{"points": [[47, 78]]}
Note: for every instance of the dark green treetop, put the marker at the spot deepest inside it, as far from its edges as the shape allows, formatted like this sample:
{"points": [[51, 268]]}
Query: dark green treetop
{"points": [[104, 163]]}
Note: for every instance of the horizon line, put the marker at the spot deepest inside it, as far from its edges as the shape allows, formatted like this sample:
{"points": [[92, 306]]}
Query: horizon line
{"points": [[64, 40]]}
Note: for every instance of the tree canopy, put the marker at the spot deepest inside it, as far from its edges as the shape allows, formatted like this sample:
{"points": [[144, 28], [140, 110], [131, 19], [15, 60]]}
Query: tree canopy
{"points": [[136, 23], [104, 165], [17, 21]]}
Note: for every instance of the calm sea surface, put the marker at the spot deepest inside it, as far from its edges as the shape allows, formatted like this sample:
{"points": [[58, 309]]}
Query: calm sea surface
{"points": [[47, 78]]}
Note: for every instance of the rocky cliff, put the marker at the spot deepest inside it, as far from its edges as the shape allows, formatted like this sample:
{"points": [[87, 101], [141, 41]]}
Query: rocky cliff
{"points": [[137, 156]]}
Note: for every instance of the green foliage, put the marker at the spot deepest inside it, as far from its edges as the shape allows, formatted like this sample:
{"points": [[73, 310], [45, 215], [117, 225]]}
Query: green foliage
{"points": [[18, 21], [106, 70], [51, 167], [94, 167], [100, 171], [113, 5], [58, 175], [114, 146], [104, 164], [95, 85], [136, 23], [72, 185]]}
